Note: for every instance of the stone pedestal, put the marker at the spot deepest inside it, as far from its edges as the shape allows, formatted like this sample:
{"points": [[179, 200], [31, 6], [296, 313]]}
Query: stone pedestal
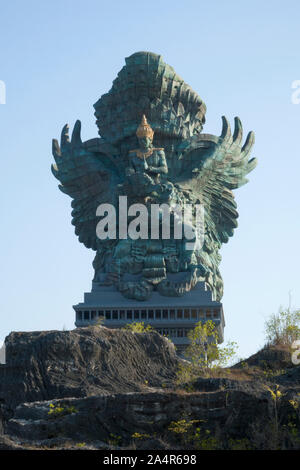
{"points": [[170, 316]]}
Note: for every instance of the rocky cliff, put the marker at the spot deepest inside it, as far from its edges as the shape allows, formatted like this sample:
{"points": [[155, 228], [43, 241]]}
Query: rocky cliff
{"points": [[97, 388], [45, 365]]}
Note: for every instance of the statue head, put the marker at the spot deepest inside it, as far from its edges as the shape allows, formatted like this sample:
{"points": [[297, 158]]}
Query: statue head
{"points": [[145, 134]]}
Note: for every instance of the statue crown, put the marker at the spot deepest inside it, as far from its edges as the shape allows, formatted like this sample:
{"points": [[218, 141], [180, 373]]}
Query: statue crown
{"points": [[144, 129]]}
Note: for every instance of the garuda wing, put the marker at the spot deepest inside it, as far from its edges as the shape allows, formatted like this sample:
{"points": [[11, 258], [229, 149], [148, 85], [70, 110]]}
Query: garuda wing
{"points": [[89, 177], [211, 167]]}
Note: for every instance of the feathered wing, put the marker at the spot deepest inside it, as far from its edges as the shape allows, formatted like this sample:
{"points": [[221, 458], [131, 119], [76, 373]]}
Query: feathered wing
{"points": [[212, 167], [89, 178]]}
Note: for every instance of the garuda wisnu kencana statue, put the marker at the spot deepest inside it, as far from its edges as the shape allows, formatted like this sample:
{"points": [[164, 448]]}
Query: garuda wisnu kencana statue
{"points": [[152, 150]]}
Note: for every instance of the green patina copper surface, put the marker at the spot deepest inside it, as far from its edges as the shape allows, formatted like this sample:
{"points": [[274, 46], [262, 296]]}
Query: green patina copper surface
{"points": [[180, 166]]}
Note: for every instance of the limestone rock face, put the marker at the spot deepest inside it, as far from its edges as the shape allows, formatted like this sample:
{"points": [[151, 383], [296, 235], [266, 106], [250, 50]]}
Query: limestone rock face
{"points": [[86, 361]]}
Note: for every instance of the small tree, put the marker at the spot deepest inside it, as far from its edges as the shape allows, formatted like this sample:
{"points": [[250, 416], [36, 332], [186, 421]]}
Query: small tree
{"points": [[204, 350], [283, 327], [100, 321], [204, 353]]}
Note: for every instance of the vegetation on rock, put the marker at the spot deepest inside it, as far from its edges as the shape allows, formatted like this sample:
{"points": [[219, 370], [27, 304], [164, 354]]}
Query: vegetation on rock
{"points": [[254, 404], [138, 327], [283, 327], [204, 354]]}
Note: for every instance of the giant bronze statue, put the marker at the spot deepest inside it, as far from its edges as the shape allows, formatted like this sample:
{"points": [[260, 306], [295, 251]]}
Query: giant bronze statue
{"points": [[152, 150]]}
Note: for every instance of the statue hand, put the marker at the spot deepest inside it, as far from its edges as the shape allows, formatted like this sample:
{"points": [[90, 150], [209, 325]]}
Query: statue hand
{"points": [[70, 149], [152, 169]]}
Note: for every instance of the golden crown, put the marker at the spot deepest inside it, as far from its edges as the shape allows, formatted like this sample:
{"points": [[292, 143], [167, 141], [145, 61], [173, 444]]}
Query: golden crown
{"points": [[144, 129]]}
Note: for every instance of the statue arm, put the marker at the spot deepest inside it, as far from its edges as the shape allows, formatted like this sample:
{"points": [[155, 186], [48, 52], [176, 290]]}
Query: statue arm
{"points": [[163, 167], [135, 166]]}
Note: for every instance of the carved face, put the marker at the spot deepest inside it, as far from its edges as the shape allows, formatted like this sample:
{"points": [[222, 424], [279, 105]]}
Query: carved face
{"points": [[145, 142]]}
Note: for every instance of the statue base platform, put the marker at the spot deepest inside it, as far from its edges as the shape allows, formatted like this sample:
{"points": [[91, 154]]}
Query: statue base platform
{"points": [[170, 316]]}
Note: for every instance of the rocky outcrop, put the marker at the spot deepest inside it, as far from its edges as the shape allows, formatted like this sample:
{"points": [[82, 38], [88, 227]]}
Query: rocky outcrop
{"points": [[123, 415], [2, 354], [86, 361], [96, 388], [273, 357], [223, 415]]}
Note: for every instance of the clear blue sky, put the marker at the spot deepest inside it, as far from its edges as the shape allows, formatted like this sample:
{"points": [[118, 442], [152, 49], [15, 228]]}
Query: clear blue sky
{"points": [[58, 57]]}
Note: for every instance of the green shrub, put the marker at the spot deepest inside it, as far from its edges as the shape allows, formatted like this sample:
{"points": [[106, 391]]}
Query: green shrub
{"points": [[138, 327], [283, 327], [100, 321], [80, 444], [114, 440], [60, 410], [140, 436], [189, 433]]}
